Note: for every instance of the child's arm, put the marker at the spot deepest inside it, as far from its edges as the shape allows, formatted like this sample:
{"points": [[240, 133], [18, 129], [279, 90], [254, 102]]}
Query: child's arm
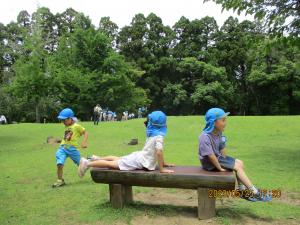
{"points": [[85, 138], [215, 162], [161, 162], [223, 152]]}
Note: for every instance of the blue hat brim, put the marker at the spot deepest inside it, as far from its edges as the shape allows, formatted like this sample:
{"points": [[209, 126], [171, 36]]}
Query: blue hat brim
{"points": [[226, 114], [62, 117]]}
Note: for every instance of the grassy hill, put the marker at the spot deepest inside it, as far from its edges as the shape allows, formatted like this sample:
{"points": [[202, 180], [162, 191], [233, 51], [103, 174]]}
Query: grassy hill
{"points": [[269, 147]]}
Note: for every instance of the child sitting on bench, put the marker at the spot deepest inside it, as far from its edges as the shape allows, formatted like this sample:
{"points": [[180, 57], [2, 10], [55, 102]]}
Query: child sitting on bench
{"points": [[213, 157], [147, 158]]}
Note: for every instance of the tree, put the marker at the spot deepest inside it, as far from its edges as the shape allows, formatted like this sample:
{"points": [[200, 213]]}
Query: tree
{"points": [[32, 80], [109, 28], [53, 61], [275, 79], [174, 99], [194, 38], [86, 71], [46, 23], [206, 84], [231, 49], [280, 16]]}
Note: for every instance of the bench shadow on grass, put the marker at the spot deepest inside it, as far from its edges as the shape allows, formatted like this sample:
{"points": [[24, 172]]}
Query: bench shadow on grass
{"points": [[138, 208]]}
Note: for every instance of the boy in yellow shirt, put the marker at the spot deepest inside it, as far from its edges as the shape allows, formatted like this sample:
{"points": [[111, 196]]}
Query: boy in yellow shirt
{"points": [[69, 145]]}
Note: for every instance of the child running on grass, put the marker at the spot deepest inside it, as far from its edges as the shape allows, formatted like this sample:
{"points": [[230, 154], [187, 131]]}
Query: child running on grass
{"points": [[147, 158], [69, 145], [213, 157]]}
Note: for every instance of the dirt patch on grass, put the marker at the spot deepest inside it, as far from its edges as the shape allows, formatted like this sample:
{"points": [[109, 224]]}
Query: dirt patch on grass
{"points": [[188, 199], [174, 220], [291, 198], [168, 196], [179, 207]]}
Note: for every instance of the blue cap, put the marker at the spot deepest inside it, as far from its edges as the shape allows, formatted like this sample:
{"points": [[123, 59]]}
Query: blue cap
{"points": [[157, 124], [65, 114], [211, 116]]}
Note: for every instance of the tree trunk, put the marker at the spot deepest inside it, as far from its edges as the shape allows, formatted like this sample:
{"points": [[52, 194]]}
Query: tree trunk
{"points": [[37, 113]]}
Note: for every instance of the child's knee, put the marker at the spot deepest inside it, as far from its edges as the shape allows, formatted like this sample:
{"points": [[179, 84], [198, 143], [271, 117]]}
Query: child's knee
{"points": [[113, 164], [239, 164], [60, 166]]}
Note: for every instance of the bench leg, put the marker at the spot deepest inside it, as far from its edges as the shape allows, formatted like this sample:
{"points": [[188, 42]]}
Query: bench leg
{"points": [[128, 196], [120, 195], [206, 205]]}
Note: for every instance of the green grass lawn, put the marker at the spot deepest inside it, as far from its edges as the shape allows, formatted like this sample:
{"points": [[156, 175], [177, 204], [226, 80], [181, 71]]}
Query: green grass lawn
{"points": [[269, 147]]}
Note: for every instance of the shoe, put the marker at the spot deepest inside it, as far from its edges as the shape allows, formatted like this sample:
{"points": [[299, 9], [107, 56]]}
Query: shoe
{"points": [[244, 194], [83, 167], [59, 183], [260, 196], [93, 158]]}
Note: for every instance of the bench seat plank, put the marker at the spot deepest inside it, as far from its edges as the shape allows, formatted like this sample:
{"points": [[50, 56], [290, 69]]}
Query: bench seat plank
{"points": [[186, 177]]}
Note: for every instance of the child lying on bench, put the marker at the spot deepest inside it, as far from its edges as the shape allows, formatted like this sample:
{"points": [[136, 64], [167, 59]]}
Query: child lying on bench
{"points": [[147, 158], [212, 155]]}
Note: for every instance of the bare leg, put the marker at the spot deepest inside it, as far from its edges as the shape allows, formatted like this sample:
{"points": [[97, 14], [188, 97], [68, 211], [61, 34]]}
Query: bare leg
{"points": [[239, 181], [241, 175], [104, 164], [110, 158], [60, 171]]}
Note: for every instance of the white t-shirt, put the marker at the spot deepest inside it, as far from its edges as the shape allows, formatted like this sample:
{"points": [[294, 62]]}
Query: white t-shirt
{"points": [[97, 109], [2, 118], [147, 155]]}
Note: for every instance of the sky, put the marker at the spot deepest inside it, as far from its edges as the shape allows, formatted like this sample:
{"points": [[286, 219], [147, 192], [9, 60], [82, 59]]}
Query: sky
{"points": [[122, 11]]}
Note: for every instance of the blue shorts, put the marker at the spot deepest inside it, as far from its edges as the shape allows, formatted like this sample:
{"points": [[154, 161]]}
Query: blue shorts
{"points": [[64, 152], [226, 163]]}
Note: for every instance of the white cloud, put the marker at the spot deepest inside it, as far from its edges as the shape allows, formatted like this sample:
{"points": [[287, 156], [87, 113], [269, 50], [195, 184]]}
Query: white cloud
{"points": [[122, 11]]}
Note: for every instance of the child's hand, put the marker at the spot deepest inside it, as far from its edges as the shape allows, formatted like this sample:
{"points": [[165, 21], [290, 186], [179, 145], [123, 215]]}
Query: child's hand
{"points": [[166, 171], [222, 170], [83, 145]]}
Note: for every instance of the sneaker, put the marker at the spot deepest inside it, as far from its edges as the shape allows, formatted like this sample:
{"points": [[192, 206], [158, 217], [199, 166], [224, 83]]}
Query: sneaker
{"points": [[83, 167], [59, 183], [260, 196], [93, 158], [242, 194]]}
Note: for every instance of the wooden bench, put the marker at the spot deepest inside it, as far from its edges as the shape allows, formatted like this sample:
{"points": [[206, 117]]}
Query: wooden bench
{"points": [[186, 177]]}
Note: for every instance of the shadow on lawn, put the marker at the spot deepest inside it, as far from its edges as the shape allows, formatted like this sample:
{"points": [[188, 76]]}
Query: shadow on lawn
{"points": [[10, 140], [138, 208], [240, 214]]}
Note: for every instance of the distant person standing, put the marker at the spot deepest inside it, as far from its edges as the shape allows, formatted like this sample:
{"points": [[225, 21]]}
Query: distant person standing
{"points": [[97, 112], [140, 114], [3, 120], [125, 115], [104, 115], [109, 115]]}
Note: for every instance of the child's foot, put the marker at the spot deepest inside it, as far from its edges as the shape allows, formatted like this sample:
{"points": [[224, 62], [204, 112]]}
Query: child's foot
{"points": [[83, 167], [93, 158], [244, 195], [260, 196], [59, 183]]}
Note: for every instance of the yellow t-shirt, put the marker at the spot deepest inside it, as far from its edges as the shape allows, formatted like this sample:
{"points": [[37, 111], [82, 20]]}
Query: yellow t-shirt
{"points": [[72, 135]]}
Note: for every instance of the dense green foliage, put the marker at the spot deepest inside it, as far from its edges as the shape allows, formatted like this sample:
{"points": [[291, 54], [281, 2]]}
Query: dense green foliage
{"points": [[279, 15], [52, 61]]}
